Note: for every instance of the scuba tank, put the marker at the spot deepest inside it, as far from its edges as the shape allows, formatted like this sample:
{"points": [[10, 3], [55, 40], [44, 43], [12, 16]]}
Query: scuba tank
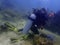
{"points": [[29, 23]]}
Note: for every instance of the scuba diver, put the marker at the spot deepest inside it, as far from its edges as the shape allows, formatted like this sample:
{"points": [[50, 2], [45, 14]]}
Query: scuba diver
{"points": [[35, 21]]}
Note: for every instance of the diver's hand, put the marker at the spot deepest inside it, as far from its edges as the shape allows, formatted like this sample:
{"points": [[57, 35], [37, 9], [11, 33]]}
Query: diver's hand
{"points": [[42, 27]]}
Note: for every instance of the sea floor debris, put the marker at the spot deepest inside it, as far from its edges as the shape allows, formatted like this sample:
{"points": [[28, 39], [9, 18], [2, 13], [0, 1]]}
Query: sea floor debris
{"points": [[10, 37]]}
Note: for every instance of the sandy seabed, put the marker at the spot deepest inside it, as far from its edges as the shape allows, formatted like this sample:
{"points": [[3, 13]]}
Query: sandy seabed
{"points": [[5, 39]]}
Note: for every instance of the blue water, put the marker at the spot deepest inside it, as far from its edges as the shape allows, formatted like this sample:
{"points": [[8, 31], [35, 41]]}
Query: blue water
{"points": [[27, 5]]}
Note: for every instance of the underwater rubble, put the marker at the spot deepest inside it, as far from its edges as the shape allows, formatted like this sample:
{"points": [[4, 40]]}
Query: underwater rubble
{"points": [[41, 39]]}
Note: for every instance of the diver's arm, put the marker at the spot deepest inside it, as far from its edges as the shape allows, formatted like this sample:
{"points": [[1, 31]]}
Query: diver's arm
{"points": [[28, 24]]}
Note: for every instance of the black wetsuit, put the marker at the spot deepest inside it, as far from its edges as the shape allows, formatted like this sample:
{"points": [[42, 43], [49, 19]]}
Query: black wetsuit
{"points": [[39, 21]]}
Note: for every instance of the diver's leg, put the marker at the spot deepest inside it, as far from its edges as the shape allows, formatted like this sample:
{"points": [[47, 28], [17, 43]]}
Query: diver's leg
{"points": [[35, 30], [27, 27]]}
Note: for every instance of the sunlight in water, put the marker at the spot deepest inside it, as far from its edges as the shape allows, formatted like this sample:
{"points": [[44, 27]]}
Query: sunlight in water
{"points": [[45, 0]]}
